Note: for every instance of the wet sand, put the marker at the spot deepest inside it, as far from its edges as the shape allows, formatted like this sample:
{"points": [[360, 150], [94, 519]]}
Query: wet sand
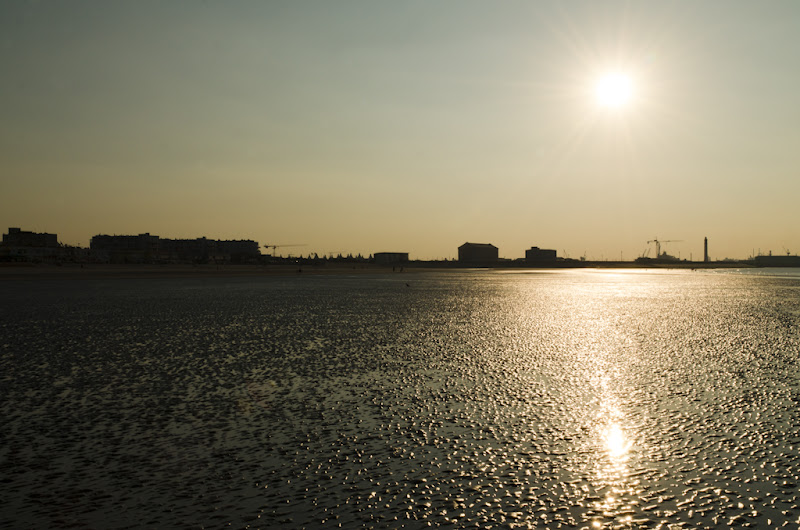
{"points": [[547, 399], [93, 271], [17, 271]]}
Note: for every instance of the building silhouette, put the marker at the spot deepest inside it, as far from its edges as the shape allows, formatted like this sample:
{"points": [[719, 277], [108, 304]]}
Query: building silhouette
{"points": [[390, 258], [126, 249], [21, 245], [477, 252], [777, 261], [536, 254], [21, 238], [147, 248]]}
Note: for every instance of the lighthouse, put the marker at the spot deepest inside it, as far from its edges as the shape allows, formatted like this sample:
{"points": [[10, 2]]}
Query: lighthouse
{"points": [[705, 250]]}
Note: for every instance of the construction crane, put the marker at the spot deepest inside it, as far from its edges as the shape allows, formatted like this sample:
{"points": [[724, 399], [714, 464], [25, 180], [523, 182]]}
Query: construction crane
{"points": [[274, 247], [658, 244]]}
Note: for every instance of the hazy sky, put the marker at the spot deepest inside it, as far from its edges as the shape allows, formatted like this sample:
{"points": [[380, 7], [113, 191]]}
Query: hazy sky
{"points": [[364, 126]]}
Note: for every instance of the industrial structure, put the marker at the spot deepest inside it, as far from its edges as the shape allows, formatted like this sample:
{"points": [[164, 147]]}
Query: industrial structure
{"points": [[777, 261], [276, 247], [539, 255], [663, 255], [477, 253]]}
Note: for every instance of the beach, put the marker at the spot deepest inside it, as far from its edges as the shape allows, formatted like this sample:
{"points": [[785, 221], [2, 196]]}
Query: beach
{"points": [[552, 398]]}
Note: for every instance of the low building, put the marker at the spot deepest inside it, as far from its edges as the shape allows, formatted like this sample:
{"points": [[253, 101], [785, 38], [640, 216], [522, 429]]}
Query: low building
{"points": [[536, 254], [777, 261], [477, 253], [390, 258]]}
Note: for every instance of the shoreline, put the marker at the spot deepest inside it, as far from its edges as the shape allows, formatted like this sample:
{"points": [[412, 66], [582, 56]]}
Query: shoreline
{"points": [[94, 271], [110, 271]]}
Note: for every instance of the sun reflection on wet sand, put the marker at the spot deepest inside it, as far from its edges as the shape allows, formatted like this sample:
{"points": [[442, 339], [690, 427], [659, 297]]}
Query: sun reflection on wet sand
{"points": [[613, 442], [617, 444], [612, 473]]}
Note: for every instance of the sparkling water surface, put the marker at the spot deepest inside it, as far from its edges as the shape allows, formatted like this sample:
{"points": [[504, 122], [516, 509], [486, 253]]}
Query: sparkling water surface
{"points": [[550, 399]]}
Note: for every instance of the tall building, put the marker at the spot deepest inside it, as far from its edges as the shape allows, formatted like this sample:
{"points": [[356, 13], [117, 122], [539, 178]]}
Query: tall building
{"points": [[141, 248], [21, 238], [21, 245], [238, 248]]}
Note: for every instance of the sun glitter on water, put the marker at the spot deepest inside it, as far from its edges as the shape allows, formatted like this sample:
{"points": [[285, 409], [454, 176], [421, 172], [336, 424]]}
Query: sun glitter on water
{"points": [[614, 90]]}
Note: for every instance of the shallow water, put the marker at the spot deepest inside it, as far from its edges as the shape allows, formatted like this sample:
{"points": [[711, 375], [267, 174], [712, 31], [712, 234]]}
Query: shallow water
{"points": [[565, 399]]}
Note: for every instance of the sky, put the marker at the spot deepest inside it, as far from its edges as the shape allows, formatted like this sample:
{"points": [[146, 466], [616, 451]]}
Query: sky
{"points": [[415, 126]]}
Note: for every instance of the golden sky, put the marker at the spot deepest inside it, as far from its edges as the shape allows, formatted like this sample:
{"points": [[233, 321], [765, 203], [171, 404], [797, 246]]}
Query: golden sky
{"points": [[360, 126]]}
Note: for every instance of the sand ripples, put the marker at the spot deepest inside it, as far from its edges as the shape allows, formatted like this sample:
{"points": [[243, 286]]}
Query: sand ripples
{"points": [[519, 401]]}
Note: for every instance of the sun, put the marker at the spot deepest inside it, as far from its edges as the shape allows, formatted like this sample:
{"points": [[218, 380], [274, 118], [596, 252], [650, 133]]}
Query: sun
{"points": [[614, 90]]}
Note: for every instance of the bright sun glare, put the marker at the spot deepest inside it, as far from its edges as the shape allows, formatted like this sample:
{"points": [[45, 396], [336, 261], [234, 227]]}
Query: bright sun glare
{"points": [[614, 90], [616, 442]]}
